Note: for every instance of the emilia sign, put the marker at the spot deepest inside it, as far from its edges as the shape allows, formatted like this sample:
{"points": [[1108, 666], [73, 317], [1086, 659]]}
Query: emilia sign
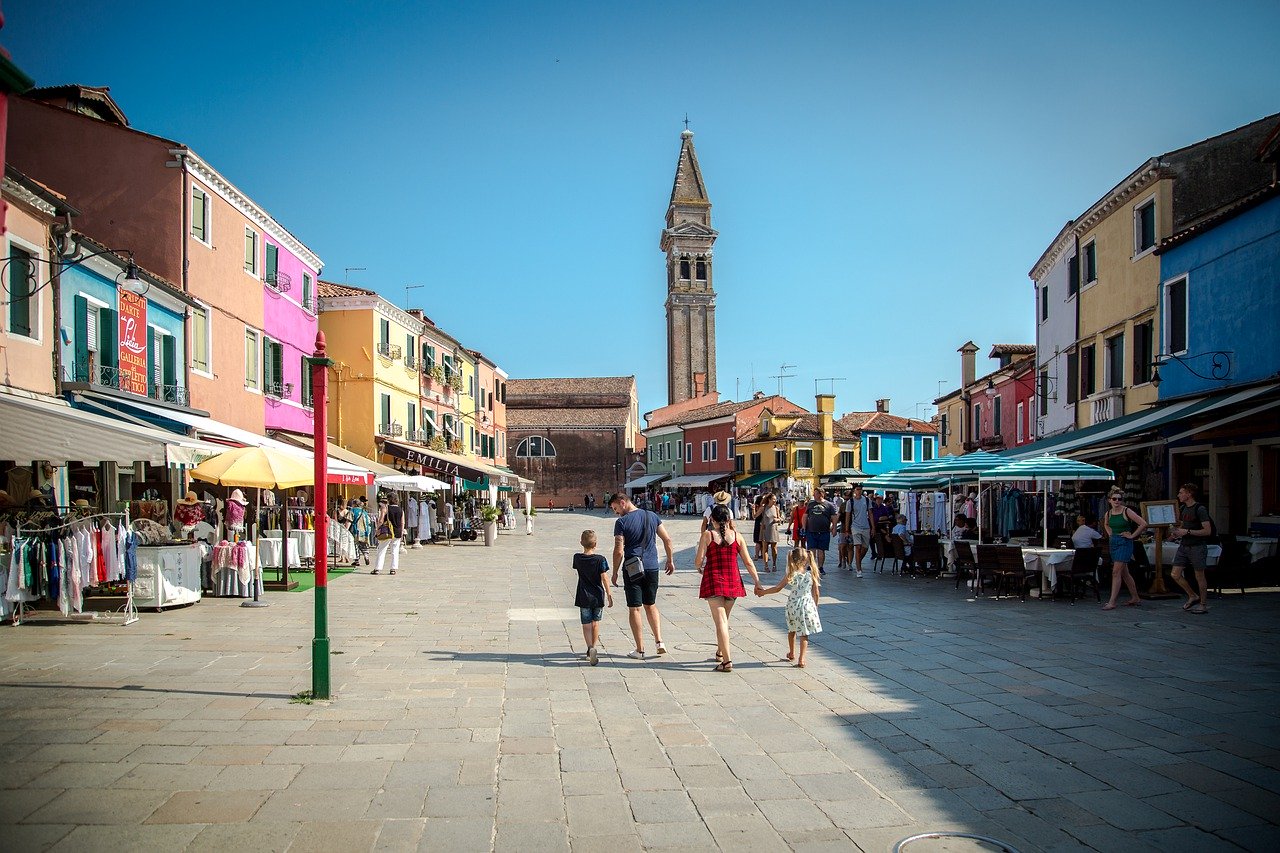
{"points": [[133, 343]]}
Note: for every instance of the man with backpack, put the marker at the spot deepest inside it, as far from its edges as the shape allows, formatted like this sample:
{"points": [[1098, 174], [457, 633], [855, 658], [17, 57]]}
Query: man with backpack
{"points": [[858, 519], [818, 519], [1193, 532]]}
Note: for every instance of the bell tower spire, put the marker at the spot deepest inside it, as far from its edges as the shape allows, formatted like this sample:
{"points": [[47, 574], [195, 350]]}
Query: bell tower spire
{"points": [[687, 242]]}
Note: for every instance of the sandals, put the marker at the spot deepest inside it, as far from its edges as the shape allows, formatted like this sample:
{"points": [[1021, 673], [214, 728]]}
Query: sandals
{"points": [[1133, 603], [1190, 604], [724, 666]]}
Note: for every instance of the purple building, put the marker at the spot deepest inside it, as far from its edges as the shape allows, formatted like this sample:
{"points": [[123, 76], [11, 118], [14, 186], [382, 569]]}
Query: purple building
{"points": [[290, 324]]}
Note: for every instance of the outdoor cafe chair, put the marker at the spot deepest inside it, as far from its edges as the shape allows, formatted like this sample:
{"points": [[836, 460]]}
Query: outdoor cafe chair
{"points": [[884, 551], [986, 566], [1233, 564], [1083, 570], [1012, 568], [926, 553], [905, 561], [965, 565]]}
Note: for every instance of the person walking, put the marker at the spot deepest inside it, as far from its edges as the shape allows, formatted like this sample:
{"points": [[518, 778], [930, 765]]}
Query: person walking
{"points": [[592, 591], [1124, 525], [857, 523], [769, 532], [819, 518], [802, 602], [720, 548], [635, 549], [1192, 533], [390, 529], [361, 529]]}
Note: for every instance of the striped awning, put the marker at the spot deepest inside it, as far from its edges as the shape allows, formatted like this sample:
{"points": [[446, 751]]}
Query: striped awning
{"points": [[645, 481], [40, 427], [1048, 467]]}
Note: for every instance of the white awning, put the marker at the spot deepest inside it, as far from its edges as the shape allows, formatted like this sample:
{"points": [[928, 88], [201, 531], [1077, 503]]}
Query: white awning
{"points": [[339, 470], [645, 481], [39, 427], [695, 481]]}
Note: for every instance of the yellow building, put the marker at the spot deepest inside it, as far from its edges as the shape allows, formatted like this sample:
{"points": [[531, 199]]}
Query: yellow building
{"points": [[799, 447], [468, 428], [374, 383]]}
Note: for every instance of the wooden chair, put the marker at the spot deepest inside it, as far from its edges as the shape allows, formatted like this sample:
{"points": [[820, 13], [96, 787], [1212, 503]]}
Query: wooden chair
{"points": [[1012, 568], [965, 565], [986, 566], [1233, 564], [906, 562], [1083, 570], [884, 551], [926, 552]]}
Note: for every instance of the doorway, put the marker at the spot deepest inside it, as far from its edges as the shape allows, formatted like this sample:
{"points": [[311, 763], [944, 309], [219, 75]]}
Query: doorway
{"points": [[1232, 500]]}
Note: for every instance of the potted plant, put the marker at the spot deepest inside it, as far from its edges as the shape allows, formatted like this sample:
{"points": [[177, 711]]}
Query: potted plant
{"points": [[489, 514], [438, 443], [436, 374]]}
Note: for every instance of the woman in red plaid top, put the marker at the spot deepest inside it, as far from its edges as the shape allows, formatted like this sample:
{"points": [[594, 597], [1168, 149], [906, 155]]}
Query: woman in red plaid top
{"points": [[719, 550]]}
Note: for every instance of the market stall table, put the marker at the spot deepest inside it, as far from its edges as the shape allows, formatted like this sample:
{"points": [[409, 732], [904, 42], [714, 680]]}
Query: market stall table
{"points": [[269, 547]]}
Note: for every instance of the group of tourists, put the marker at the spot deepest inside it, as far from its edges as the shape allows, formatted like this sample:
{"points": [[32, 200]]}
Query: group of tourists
{"points": [[721, 550]]}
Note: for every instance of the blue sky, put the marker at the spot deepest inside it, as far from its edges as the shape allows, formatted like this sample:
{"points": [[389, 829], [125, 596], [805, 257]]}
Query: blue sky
{"points": [[883, 174]]}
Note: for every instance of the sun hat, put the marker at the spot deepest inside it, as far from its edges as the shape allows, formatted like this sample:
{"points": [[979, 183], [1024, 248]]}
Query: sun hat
{"points": [[81, 503], [190, 499], [238, 497], [722, 497]]}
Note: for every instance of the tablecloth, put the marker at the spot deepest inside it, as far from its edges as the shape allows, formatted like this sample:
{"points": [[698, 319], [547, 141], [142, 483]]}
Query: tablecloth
{"points": [[1047, 561], [1170, 550]]}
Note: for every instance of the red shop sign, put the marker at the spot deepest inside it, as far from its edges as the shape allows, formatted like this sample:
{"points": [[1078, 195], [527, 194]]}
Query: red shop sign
{"points": [[133, 343]]}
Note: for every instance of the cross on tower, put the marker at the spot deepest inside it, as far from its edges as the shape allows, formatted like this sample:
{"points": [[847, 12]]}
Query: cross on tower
{"points": [[686, 121]]}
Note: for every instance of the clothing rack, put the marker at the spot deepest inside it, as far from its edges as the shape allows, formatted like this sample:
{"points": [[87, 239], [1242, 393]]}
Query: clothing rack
{"points": [[128, 612]]}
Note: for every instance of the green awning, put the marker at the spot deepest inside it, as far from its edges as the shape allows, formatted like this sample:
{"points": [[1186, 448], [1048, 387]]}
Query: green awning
{"points": [[505, 489], [476, 485], [759, 479]]}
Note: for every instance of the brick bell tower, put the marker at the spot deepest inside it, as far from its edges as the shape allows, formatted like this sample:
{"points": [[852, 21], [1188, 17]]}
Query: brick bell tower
{"points": [[691, 299]]}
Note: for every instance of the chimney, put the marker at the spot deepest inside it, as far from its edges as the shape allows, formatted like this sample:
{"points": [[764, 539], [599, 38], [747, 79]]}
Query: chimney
{"points": [[882, 405], [968, 364], [699, 384], [826, 407], [759, 395]]}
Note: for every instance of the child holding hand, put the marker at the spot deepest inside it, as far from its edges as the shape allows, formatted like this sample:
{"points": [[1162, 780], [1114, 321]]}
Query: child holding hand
{"points": [[802, 584], [593, 590]]}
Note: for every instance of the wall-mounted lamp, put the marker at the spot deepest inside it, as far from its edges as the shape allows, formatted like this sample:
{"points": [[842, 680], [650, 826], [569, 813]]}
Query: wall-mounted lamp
{"points": [[288, 389], [133, 282], [1219, 365]]}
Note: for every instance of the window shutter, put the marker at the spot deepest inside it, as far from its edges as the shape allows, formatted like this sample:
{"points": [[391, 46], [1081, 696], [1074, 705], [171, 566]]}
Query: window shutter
{"points": [[1073, 275], [108, 331], [80, 365], [169, 360], [153, 363], [277, 365], [273, 261], [19, 292], [198, 201]]}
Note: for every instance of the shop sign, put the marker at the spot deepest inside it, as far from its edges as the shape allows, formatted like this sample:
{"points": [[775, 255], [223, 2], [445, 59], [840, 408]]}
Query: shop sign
{"points": [[133, 343], [350, 479]]}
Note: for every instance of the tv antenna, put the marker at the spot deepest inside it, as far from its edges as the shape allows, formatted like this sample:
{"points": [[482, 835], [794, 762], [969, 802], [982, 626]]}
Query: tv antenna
{"points": [[781, 375], [347, 271], [409, 287], [832, 379]]}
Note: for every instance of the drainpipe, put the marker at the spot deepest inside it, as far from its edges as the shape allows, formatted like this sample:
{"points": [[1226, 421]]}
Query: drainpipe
{"points": [[1075, 335]]}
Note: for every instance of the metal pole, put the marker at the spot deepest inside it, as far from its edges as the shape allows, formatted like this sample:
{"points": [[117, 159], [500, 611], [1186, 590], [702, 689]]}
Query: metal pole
{"points": [[320, 406]]}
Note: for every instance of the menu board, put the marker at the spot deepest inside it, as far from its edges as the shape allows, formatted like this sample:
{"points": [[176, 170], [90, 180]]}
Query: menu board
{"points": [[1160, 512]]}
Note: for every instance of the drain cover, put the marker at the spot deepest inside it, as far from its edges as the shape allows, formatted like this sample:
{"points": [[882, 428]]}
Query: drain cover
{"points": [[952, 841]]}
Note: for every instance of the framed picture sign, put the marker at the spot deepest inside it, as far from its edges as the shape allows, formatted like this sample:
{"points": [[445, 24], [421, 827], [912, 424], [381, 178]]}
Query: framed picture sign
{"points": [[1160, 513]]}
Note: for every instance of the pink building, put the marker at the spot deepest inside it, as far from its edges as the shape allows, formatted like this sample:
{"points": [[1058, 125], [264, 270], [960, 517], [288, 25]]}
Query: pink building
{"points": [[290, 324]]}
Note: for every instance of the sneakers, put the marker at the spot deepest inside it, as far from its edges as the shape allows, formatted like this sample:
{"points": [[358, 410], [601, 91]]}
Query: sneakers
{"points": [[636, 654], [592, 658], [859, 574]]}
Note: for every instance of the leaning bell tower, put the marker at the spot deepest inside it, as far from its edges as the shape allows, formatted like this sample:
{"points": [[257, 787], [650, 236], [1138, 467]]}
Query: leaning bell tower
{"points": [[691, 297]]}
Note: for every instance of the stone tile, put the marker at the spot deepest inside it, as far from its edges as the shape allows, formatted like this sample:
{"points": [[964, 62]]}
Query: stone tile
{"points": [[605, 844], [525, 802], [520, 837], [661, 807], [172, 777], [453, 834], [355, 775], [462, 802], [210, 806], [41, 836], [251, 777], [675, 836], [794, 815], [89, 806], [336, 836], [15, 805], [152, 839], [74, 774], [722, 801], [267, 837], [303, 805]]}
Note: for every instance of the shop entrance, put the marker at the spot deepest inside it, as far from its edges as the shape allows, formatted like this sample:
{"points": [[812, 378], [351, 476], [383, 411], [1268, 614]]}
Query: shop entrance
{"points": [[1232, 499], [1191, 468]]}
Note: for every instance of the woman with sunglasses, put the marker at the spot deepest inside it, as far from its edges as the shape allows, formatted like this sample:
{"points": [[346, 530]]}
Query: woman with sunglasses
{"points": [[1125, 526]]}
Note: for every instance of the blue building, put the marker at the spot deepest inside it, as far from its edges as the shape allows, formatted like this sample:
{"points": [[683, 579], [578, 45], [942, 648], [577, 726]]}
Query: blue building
{"points": [[116, 341], [886, 443], [1219, 336]]}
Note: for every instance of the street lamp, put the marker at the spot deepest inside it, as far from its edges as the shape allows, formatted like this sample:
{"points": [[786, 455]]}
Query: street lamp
{"points": [[1219, 365]]}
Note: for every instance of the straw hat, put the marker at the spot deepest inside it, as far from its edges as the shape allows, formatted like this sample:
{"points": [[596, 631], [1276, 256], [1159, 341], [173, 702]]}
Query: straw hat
{"points": [[238, 497], [190, 499], [81, 504], [722, 497]]}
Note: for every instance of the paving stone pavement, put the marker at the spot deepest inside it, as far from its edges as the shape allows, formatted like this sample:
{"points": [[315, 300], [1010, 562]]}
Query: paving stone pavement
{"points": [[465, 719]]}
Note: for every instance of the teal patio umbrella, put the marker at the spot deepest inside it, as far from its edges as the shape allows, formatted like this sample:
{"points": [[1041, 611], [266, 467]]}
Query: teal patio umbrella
{"points": [[967, 467], [1044, 469]]}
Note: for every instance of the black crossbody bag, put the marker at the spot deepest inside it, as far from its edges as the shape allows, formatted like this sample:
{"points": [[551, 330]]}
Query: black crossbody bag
{"points": [[634, 566]]}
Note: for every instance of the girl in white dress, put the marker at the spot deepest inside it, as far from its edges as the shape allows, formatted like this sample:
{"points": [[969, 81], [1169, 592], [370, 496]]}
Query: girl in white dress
{"points": [[802, 585]]}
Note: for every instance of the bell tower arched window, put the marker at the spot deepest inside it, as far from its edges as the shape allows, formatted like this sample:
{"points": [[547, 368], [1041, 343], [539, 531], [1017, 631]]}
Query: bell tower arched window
{"points": [[684, 270], [702, 270]]}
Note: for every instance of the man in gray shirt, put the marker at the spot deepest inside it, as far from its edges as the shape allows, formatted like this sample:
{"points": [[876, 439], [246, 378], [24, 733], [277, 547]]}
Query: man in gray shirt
{"points": [[857, 515]]}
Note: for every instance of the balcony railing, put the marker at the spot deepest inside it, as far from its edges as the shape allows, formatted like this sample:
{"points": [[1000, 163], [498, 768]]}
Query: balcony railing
{"points": [[176, 394], [278, 281], [102, 375], [421, 436], [410, 361], [1107, 405], [309, 303], [391, 351], [273, 389], [392, 429]]}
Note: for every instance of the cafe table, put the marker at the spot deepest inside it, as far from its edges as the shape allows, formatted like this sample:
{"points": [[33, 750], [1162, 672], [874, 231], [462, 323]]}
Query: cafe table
{"points": [[1168, 550], [1260, 546], [1046, 561]]}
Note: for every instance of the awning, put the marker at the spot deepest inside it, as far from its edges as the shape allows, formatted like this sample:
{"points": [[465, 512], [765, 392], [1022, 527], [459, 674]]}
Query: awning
{"points": [[412, 482], [1115, 432], [645, 481], [308, 444], [176, 421], [759, 479], [448, 465], [40, 427], [845, 475], [695, 481], [523, 482], [480, 485]]}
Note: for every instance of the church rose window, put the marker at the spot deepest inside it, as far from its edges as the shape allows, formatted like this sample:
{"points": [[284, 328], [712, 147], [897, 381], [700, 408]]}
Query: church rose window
{"points": [[534, 447]]}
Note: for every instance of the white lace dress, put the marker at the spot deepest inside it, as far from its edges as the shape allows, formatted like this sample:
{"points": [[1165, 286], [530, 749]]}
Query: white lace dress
{"points": [[802, 613]]}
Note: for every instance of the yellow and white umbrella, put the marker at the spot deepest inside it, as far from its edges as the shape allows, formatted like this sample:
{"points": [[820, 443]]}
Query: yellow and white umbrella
{"points": [[256, 467]]}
